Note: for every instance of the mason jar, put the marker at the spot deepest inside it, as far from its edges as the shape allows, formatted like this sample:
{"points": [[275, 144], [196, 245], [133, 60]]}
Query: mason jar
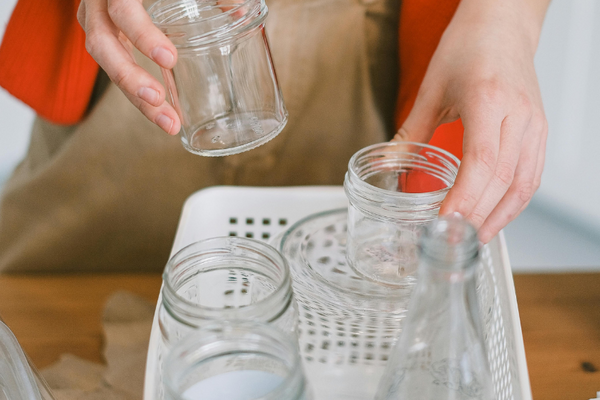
{"points": [[235, 361], [223, 279], [224, 85], [393, 189]]}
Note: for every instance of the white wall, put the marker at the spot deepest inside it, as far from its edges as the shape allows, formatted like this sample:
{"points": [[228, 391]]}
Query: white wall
{"points": [[568, 66], [15, 117]]}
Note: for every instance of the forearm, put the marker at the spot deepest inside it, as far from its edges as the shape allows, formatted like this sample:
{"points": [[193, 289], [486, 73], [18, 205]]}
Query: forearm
{"points": [[524, 16]]}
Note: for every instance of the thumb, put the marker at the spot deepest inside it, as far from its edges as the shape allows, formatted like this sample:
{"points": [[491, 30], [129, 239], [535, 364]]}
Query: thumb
{"points": [[421, 122]]}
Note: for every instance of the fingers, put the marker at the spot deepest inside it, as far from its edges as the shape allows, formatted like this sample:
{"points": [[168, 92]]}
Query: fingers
{"points": [[110, 48], [526, 181], [131, 18], [511, 136], [482, 122], [424, 117]]}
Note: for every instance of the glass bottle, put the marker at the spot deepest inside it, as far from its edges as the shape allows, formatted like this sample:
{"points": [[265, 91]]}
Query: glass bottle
{"points": [[221, 279], [393, 190], [235, 361], [441, 353]]}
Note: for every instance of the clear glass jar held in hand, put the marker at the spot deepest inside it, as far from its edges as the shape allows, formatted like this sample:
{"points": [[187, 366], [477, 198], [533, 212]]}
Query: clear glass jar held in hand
{"points": [[235, 361], [393, 189], [441, 353], [224, 86]]}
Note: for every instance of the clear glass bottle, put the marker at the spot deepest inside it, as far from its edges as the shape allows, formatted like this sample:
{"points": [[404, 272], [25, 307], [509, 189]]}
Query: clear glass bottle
{"points": [[235, 361], [393, 189], [441, 353], [223, 279], [224, 85]]}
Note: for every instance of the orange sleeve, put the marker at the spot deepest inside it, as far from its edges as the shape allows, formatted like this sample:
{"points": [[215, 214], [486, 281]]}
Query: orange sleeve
{"points": [[422, 23], [43, 61]]}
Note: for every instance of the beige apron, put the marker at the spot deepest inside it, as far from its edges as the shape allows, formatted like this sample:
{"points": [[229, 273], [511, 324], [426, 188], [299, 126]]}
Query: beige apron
{"points": [[105, 195]]}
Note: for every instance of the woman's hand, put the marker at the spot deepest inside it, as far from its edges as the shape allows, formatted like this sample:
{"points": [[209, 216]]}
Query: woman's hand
{"points": [[112, 28], [482, 72]]}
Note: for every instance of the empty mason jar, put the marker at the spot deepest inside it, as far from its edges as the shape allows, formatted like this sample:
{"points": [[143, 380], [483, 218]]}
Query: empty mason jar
{"points": [[223, 279], [224, 86], [393, 189], [235, 361]]}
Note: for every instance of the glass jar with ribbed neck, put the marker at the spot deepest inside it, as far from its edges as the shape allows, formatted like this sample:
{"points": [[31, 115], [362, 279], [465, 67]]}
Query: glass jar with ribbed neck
{"points": [[223, 86], [235, 361], [393, 189], [224, 279]]}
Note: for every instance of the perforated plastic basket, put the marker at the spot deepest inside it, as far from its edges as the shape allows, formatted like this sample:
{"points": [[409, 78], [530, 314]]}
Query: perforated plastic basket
{"points": [[262, 213]]}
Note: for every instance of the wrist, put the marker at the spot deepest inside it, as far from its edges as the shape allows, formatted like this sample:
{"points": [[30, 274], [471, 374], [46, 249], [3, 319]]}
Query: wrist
{"points": [[520, 17]]}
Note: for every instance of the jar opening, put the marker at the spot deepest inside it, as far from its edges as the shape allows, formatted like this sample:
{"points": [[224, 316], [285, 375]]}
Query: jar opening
{"points": [[400, 179], [227, 275], [189, 23], [404, 167]]}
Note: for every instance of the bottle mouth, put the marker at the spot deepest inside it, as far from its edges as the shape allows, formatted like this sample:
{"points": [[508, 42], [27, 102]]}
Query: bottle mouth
{"points": [[259, 356], [450, 242], [227, 278], [396, 178], [194, 23]]}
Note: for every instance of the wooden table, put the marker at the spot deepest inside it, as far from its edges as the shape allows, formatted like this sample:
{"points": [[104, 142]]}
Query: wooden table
{"points": [[560, 315]]}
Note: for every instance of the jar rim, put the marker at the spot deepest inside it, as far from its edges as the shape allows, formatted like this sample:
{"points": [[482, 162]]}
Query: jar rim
{"points": [[385, 192], [195, 310], [175, 29]]}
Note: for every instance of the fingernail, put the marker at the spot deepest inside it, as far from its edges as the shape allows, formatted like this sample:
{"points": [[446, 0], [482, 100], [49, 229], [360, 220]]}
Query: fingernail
{"points": [[165, 123], [149, 95], [163, 57]]}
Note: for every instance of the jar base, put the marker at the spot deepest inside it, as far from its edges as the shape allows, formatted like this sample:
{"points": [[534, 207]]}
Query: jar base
{"points": [[223, 135]]}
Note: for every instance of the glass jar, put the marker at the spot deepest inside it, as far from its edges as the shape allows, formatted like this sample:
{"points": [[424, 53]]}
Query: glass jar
{"points": [[235, 361], [224, 279], [393, 189], [224, 86]]}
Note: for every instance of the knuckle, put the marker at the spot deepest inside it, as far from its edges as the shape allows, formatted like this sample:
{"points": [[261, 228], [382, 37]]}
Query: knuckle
{"points": [[489, 91], [485, 158], [467, 200], [504, 173], [92, 42], [121, 77], [539, 122], [525, 105], [525, 191], [477, 218], [81, 15], [141, 37], [116, 8]]}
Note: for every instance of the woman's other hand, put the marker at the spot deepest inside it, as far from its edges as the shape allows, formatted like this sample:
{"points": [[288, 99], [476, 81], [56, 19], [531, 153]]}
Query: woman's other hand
{"points": [[112, 28], [482, 72]]}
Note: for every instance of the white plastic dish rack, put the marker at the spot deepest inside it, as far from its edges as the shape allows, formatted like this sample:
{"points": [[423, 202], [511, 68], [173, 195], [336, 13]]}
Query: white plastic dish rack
{"points": [[262, 213]]}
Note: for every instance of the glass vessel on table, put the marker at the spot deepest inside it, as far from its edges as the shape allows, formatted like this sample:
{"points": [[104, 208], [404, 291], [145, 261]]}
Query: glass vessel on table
{"points": [[441, 352], [235, 361], [393, 190], [223, 279]]}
